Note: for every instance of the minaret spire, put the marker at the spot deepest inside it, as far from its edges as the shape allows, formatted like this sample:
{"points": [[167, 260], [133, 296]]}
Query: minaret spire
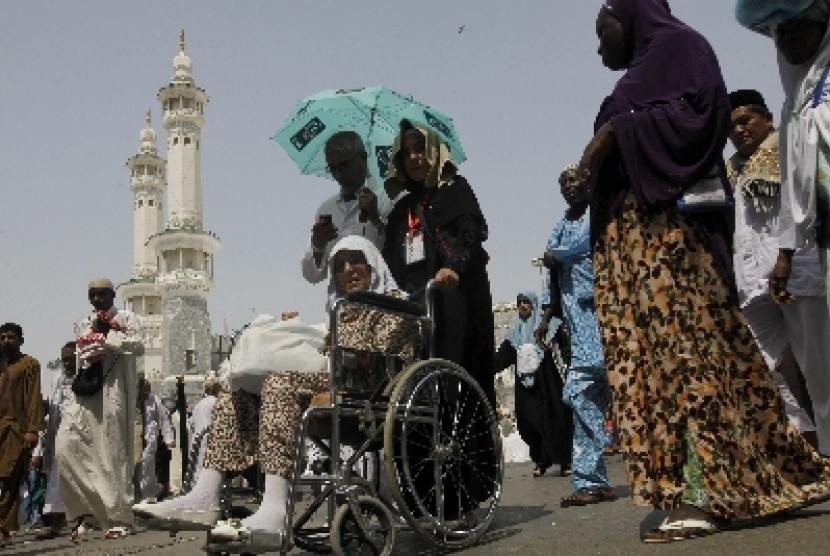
{"points": [[182, 45]]}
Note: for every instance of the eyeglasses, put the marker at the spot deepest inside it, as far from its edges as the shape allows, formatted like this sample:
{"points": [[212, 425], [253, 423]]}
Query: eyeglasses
{"points": [[353, 259], [341, 166]]}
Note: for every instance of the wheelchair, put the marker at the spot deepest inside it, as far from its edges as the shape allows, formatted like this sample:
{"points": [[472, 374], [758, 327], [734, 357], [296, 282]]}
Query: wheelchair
{"points": [[425, 451]]}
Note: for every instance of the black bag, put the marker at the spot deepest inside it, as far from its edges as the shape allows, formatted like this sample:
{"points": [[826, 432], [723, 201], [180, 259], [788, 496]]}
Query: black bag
{"points": [[90, 381]]}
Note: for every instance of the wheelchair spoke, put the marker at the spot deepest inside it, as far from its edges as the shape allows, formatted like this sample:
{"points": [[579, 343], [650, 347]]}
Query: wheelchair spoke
{"points": [[443, 447]]}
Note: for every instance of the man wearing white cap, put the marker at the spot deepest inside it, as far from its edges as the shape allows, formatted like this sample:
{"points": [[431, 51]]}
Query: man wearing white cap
{"points": [[95, 448]]}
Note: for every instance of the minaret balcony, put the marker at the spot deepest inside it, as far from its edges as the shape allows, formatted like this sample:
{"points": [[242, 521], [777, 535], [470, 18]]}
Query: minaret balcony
{"points": [[184, 282], [183, 118], [142, 183], [183, 238], [137, 287]]}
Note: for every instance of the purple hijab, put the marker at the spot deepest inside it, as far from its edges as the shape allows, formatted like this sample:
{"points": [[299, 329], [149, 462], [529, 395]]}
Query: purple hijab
{"points": [[670, 113]]}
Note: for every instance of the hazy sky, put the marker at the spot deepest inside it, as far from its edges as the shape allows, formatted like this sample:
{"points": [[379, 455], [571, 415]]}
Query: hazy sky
{"points": [[521, 79]]}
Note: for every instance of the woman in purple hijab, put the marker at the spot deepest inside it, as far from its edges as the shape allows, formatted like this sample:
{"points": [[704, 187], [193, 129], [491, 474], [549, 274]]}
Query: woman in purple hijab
{"points": [[689, 383]]}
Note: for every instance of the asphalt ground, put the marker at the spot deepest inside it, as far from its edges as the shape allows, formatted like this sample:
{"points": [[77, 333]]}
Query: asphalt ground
{"points": [[528, 521]]}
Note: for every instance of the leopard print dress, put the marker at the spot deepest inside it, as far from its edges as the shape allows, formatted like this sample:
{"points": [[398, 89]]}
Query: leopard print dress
{"points": [[682, 362]]}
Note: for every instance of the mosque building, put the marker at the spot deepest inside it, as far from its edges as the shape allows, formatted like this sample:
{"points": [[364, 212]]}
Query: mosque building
{"points": [[173, 253]]}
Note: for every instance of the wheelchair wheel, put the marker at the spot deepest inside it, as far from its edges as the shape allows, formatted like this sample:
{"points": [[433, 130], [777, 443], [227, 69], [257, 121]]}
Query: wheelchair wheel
{"points": [[443, 457], [348, 538]]}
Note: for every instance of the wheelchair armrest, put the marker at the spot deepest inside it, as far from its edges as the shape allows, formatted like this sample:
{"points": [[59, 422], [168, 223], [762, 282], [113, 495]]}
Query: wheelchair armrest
{"points": [[387, 302]]}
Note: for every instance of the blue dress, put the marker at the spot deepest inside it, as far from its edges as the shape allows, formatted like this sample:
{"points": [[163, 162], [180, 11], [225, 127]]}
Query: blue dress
{"points": [[586, 387]]}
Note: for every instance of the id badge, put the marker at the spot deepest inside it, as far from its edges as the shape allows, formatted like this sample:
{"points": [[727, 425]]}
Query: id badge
{"points": [[414, 247]]}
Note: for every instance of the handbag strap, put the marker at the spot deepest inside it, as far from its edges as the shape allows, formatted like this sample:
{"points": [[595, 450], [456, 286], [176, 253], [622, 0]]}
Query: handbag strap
{"points": [[112, 366]]}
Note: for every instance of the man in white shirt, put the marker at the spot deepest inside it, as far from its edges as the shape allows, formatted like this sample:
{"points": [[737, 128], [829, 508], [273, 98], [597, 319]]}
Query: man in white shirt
{"points": [[802, 319], [353, 211]]}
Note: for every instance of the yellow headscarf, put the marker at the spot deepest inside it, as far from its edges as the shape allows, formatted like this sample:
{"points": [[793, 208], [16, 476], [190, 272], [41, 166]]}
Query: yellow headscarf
{"points": [[441, 170]]}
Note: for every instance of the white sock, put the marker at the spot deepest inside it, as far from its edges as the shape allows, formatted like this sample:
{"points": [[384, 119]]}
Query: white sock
{"points": [[204, 495], [271, 513]]}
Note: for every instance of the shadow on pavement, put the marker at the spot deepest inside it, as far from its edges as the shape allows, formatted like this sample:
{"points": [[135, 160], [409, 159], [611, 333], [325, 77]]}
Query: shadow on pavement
{"points": [[509, 516]]}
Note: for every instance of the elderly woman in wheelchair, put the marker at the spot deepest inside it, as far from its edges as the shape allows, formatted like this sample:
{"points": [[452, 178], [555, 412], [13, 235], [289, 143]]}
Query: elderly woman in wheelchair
{"points": [[373, 337]]}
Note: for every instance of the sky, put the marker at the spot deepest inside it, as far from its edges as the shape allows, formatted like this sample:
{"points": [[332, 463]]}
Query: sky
{"points": [[521, 79]]}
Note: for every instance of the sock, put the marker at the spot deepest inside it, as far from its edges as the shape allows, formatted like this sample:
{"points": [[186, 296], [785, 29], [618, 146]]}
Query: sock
{"points": [[271, 513], [204, 495]]}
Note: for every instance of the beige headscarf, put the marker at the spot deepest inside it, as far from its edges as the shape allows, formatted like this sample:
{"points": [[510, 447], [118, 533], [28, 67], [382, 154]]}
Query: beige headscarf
{"points": [[442, 169]]}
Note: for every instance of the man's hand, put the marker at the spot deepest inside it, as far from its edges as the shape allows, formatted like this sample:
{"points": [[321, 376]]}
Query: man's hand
{"points": [[29, 440], [36, 462], [170, 445], [368, 202], [322, 232], [780, 275], [288, 315], [446, 279]]}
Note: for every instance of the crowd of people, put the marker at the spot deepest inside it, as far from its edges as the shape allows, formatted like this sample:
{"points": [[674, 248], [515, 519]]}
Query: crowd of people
{"points": [[686, 296]]}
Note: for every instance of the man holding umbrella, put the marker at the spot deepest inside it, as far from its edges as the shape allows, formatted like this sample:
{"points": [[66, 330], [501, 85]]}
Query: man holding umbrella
{"points": [[352, 211]]}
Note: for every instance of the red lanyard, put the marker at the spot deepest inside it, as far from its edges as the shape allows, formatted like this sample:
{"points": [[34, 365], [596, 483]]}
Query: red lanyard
{"points": [[413, 219]]}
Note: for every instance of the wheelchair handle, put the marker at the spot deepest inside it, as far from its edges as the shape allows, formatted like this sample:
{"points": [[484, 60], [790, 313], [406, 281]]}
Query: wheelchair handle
{"points": [[428, 291]]}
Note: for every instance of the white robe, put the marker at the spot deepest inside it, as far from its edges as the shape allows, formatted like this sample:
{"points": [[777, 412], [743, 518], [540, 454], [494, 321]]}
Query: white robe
{"points": [[199, 422], [95, 444], [61, 396], [176, 457], [156, 420]]}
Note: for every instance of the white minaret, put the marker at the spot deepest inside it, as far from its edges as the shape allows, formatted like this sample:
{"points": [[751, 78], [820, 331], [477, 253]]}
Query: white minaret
{"points": [[140, 293], [184, 249]]}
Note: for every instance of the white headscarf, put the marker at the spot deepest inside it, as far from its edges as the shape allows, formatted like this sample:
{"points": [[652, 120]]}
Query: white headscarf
{"points": [[382, 280], [802, 128]]}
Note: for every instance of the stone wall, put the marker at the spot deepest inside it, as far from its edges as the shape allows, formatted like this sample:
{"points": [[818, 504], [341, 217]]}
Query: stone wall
{"points": [[186, 336]]}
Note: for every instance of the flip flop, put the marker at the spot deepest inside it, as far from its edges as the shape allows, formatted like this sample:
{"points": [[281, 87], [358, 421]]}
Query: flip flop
{"points": [[680, 530]]}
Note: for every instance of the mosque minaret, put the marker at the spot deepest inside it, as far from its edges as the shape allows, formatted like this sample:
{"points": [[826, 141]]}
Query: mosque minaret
{"points": [[140, 293], [180, 254]]}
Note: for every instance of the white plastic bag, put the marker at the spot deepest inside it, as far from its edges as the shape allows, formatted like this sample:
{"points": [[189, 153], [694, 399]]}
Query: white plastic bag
{"points": [[269, 345]]}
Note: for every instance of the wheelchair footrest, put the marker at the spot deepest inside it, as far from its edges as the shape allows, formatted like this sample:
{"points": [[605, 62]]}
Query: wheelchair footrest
{"points": [[257, 542]]}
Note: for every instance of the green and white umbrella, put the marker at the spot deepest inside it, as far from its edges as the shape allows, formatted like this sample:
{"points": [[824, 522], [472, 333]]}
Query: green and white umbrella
{"points": [[374, 113]]}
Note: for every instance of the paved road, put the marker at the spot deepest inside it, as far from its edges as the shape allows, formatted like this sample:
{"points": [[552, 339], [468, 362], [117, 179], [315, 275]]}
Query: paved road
{"points": [[529, 521]]}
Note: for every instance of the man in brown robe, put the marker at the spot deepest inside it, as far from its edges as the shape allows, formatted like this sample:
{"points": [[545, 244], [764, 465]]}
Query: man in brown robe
{"points": [[21, 418]]}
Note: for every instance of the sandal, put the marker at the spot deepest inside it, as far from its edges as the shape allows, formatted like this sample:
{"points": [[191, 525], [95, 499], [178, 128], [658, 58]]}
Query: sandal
{"points": [[539, 470], [564, 471], [46, 533], [680, 530], [585, 496], [117, 532]]}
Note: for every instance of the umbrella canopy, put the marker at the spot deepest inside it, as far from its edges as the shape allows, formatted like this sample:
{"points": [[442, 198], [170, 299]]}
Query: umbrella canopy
{"points": [[374, 113]]}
